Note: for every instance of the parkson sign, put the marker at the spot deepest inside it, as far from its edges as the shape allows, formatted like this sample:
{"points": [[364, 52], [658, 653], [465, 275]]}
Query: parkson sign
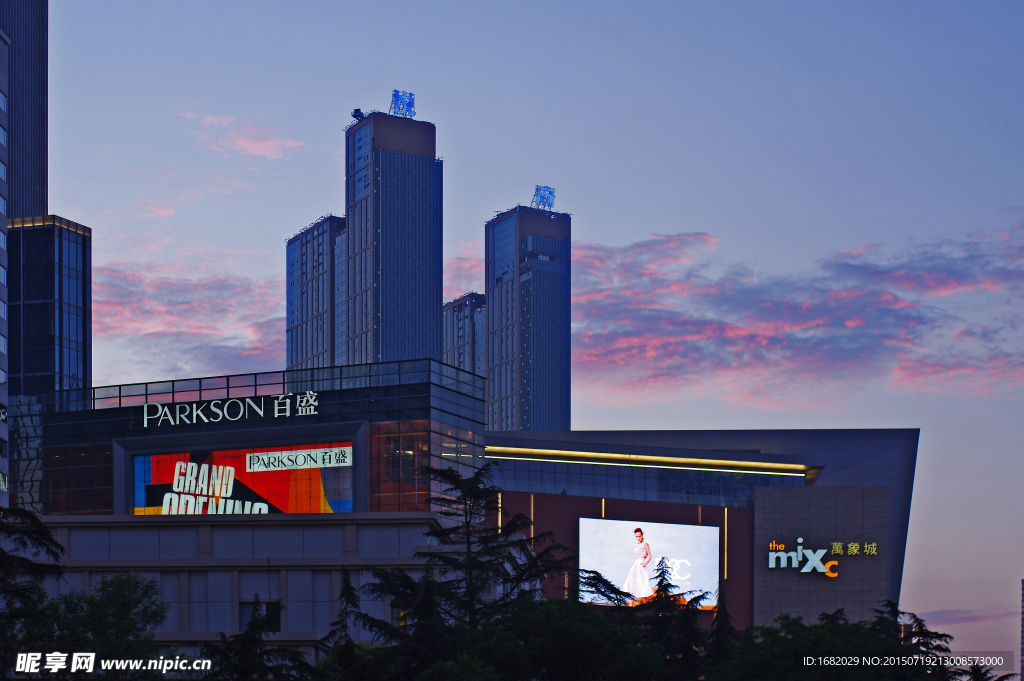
{"points": [[156, 414]]}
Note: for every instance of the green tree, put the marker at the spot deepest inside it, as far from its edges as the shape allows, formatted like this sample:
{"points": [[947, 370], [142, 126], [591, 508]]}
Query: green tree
{"points": [[348, 660], [671, 621], [245, 656], [779, 651], [117, 619], [484, 566], [722, 635], [565, 640], [978, 673], [28, 554]]}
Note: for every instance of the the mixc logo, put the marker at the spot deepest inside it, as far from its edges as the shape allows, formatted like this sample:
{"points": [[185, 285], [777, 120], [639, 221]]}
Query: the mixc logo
{"points": [[778, 556]]}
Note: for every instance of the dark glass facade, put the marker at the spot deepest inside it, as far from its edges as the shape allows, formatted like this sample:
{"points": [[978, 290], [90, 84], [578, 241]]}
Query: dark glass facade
{"points": [[463, 331], [310, 301], [23, 107], [388, 261], [712, 488], [23, 160], [65, 456], [50, 304], [528, 320]]}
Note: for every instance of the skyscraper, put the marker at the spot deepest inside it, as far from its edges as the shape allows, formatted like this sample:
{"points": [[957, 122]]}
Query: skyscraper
{"points": [[50, 304], [310, 323], [23, 79], [388, 261], [23, 102], [463, 330], [527, 283]]}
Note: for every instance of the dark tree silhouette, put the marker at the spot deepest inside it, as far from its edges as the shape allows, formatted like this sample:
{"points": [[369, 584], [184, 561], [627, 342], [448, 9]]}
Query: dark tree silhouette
{"points": [[28, 554], [245, 656]]}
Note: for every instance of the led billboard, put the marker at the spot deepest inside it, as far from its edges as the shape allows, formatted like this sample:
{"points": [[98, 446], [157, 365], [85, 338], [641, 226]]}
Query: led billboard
{"points": [[626, 552], [309, 478]]}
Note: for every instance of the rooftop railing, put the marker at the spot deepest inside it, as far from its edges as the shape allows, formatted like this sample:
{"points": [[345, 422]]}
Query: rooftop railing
{"points": [[252, 385]]}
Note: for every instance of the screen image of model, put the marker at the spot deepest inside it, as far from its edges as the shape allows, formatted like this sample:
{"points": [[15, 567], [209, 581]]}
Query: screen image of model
{"points": [[627, 552], [308, 478]]}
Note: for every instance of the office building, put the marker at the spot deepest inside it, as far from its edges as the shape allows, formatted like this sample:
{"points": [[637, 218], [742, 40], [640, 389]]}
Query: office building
{"points": [[229, 486], [388, 261], [50, 287], [23, 97], [528, 323], [463, 330], [310, 323], [23, 107]]}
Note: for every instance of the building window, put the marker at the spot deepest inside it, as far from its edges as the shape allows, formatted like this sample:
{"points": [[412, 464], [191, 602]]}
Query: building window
{"points": [[3, 136], [3, 310], [3, 102], [3, 277], [3, 240], [3, 377], [3, 207], [3, 344], [272, 610], [3, 171]]}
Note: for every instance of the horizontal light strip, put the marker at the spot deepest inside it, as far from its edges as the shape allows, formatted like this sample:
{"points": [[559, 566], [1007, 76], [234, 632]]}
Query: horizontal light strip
{"points": [[648, 465], [802, 468]]}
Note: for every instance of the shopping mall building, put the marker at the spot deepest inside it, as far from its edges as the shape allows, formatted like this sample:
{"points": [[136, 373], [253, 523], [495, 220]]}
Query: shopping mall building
{"points": [[268, 484]]}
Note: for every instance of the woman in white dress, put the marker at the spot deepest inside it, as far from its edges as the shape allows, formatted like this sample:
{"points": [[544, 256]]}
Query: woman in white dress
{"points": [[638, 582]]}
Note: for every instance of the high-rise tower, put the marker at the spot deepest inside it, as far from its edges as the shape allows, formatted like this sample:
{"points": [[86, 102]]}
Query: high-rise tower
{"points": [[51, 304], [388, 260], [463, 330], [527, 282], [23, 102], [23, 78], [310, 325]]}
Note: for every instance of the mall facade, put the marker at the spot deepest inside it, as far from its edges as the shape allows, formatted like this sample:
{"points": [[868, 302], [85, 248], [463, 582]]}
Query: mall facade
{"points": [[231, 487]]}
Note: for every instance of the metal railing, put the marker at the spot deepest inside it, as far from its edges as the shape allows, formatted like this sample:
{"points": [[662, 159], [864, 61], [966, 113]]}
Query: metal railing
{"points": [[252, 385]]}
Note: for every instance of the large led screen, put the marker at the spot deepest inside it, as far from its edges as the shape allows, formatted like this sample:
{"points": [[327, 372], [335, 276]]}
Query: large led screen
{"points": [[627, 552], [313, 478]]}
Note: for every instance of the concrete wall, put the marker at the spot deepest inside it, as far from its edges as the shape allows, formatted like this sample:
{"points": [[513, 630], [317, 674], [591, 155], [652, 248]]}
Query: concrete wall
{"points": [[207, 565], [822, 516]]}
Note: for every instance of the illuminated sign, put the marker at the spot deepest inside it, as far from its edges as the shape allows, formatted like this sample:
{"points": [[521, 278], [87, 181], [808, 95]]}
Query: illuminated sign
{"points": [[403, 104], [285, 479], [817, 560], [627, 551], [544, 198], [215, 411]]}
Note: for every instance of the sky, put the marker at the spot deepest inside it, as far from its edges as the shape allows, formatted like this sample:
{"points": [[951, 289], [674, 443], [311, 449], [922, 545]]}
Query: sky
{"points": [[785, 215]]}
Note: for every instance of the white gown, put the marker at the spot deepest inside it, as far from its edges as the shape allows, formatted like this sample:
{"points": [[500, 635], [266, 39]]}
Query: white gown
{"points": [[638, 581]]}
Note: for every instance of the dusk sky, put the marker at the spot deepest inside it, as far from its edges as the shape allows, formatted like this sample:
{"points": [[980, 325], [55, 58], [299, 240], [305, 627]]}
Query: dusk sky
{"points": [[785, 215]]}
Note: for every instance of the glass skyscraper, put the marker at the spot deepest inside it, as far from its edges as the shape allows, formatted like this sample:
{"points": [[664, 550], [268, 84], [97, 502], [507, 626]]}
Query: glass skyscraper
{"points": [[310, 300], [528, 334], [387, 291], [50, 304], [23, 101], [463, 330]]}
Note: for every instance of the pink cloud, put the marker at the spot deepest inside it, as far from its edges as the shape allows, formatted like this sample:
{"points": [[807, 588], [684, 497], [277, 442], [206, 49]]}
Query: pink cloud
{"points": [[221, 121], [649, 322], [156, 209], [187, 319], [250, 139], [464, 270], [187, 114]]}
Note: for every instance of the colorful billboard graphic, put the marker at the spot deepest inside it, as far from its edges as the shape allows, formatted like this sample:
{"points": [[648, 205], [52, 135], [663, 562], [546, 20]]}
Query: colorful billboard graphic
{"points": [[313, 478], [626, 552]]}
